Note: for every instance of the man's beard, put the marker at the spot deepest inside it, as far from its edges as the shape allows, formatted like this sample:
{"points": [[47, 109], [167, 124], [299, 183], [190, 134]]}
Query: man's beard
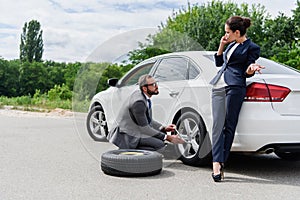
{"points": [[152, 92]]}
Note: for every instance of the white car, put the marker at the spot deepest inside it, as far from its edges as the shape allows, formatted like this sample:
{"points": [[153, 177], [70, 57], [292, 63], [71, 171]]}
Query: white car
{"points": [[269, 120]]}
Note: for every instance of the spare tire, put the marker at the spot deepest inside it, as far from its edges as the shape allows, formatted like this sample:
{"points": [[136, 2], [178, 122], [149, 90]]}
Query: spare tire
{"points": [[131, 162]]}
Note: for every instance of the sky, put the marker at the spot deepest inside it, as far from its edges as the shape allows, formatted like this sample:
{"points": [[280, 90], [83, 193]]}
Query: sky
{"points": [[78, 30]]}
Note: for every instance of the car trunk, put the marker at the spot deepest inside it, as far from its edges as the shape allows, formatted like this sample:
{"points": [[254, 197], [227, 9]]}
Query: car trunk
{"points": [[282, 91], [291, 104]]}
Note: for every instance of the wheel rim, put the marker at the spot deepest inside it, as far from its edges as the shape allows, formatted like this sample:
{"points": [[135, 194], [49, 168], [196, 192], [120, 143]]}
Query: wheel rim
{"points": [[190, 132], [98, 124]]}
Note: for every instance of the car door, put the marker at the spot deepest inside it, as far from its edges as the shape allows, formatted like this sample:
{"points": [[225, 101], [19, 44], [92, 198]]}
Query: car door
{"points": [[171, 74]]}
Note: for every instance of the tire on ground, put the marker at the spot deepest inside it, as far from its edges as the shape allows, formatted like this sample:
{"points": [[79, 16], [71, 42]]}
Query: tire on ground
{"points": [[131, 162], [202, 155], [96, 124]]}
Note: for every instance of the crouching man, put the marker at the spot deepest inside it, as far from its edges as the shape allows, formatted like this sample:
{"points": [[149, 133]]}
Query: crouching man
{"points": [[135, 128]]}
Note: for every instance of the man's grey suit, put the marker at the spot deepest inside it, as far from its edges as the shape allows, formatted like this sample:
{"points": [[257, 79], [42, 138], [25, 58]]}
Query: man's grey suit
{"points": [[135, 124]]}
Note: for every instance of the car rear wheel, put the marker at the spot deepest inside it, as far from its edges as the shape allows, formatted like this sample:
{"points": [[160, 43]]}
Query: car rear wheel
{"points": [[96, 124], [197, 150], [288, 155]]}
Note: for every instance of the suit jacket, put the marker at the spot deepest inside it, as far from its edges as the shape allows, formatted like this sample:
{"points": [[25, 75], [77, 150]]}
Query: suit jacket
{"points": [[235, 68], [134, 122]]}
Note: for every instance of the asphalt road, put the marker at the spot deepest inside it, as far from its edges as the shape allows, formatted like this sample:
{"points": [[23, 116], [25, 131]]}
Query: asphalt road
{"points": [[45, 157]]}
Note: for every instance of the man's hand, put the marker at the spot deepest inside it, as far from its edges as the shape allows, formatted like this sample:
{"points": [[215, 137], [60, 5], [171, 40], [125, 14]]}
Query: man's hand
{"points": [[175, 139], [170, 128]]}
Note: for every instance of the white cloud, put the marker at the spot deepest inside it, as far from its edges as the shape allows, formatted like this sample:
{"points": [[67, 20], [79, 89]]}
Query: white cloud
{"points": [[72, 30]]}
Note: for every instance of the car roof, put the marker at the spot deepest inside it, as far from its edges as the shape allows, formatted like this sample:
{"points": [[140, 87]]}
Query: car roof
{"points": [[186, 53], [191, 54]]}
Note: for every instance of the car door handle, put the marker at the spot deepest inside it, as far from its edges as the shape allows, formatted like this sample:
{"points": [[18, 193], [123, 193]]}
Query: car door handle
{"points": [[173, 93]]}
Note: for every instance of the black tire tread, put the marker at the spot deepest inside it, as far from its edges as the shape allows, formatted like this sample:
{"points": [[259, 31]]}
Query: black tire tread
{"points": [[116, 164], [96, 108], [198, 159]]}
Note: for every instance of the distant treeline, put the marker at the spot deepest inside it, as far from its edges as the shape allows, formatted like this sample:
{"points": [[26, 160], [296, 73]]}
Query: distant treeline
{"points": [[197, 27]]}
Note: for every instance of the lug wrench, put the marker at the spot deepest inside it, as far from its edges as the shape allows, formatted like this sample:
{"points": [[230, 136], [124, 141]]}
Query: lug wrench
{"points": [[180, 135]]}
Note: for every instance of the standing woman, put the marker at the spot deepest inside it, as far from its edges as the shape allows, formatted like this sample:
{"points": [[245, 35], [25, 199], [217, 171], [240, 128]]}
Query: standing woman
{"points": [[237, 63]]}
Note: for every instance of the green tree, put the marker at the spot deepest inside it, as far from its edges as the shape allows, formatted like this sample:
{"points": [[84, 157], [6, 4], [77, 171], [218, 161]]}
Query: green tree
{"points": [[87, 80], [111, 71], [279, 35], [138, 55], [281, 42], [70, 73], [31, 47], [201, 26], [33, 76], [204, 25], [289, 57], [9, 73], [55, 73], [296, 20]]}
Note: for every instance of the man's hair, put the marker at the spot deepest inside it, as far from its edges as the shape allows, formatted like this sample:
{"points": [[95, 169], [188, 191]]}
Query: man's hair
{"points": [[143, 80]]}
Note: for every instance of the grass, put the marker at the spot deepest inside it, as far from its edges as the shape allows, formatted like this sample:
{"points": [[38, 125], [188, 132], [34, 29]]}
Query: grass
{"points": [[44, 103], [37, 104]]}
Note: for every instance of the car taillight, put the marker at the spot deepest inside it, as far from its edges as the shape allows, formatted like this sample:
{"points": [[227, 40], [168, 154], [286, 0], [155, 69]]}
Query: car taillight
{"points": [[266, 92]]}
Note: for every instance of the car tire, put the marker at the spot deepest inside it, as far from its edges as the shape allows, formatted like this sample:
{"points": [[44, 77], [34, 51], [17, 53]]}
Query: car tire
{"points": [[131, 163], [96, 124], [197, 152], [288, 156]]}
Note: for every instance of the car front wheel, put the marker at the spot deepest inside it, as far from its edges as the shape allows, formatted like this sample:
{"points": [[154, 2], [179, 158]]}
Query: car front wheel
{"points": [[96, 124], [197, 149]]}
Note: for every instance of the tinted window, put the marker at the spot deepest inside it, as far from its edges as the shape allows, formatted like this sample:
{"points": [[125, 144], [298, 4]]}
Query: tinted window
{"points": [[272, 67], [133, 76], [171, 69], [210, 57], [193, 71]]}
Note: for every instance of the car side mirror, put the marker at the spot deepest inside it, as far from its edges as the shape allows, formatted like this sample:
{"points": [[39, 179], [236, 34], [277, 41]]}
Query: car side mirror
{"points": [[112, 82]]}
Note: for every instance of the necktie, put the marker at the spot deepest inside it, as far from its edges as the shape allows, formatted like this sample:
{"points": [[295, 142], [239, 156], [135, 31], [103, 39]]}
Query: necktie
{"points": [[149, 116], [149, 103]]}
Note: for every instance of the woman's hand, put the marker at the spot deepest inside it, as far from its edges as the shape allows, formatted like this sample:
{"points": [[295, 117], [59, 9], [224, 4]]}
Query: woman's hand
{"points": [[252, 68], [224, 40]]}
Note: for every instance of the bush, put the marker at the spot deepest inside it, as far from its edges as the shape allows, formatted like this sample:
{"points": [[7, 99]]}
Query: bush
{"points": [[60, 93]]}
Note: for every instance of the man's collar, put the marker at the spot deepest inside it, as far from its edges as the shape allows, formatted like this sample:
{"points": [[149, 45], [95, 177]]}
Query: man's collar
{"points": [[146, 96]]}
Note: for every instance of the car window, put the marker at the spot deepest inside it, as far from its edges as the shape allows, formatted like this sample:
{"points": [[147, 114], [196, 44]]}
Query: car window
{"points": [[210, 57], [193, 71], [272, 67], [171, 69], [133, 76]]}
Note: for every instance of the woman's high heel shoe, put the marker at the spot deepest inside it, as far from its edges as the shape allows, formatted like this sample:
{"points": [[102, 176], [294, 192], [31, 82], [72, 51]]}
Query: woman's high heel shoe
{"points": [[217, 177], [220, 176]]}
